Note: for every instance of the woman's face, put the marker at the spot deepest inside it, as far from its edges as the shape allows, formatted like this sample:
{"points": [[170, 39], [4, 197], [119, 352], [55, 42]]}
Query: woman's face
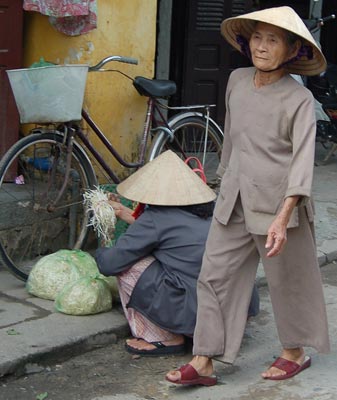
{"points": [[269, 47]]}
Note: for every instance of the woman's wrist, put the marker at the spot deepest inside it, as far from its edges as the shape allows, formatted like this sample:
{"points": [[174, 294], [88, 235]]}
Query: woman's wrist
{"points": [[287, 208]]}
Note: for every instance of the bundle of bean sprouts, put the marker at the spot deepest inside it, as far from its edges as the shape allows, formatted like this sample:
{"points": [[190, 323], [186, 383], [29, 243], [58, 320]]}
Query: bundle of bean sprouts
{"points": [[101, 214]]}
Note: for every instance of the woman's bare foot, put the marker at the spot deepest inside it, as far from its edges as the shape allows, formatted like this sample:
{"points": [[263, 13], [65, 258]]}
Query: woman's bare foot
{"points": [[202, 364], [296, 355], [141, 344]]}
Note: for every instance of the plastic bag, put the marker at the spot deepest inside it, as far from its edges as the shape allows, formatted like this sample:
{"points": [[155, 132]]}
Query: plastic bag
{"points": [[88, 295], [85, 263], [52, 272], [113, 286]]}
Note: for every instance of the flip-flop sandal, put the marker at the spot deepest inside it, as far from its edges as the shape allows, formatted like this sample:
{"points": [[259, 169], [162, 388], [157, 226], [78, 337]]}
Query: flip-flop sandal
{"points": [[159, 350], [189, 376], [291, 368]]}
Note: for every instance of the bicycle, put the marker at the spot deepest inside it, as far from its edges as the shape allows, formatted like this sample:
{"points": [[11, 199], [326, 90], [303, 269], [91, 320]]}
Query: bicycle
{"points": [[44, 175]]}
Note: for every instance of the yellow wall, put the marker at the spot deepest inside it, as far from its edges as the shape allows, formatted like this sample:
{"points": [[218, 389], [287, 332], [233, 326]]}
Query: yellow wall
{"points": [[126, 28]]}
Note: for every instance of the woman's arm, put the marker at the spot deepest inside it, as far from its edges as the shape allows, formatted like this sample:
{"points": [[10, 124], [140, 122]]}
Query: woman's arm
{"points": [[227, 143], [302, 133], [138, 241], [122, 212], [302, 136]]}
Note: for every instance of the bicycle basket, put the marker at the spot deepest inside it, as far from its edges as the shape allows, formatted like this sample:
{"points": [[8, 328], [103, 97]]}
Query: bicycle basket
{"points": [[49, 94]]}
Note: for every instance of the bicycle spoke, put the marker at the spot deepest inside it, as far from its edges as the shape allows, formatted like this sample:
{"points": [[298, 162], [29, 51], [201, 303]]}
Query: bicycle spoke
{"points": [[32, 223], [190, 140]]}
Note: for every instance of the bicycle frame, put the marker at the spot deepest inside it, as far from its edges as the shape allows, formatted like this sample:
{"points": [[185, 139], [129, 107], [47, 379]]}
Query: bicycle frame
{"points": [[55, 166], [150, 121]]}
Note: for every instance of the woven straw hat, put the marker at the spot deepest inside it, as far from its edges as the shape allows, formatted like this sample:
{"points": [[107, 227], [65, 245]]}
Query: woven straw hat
{"points": [[166, 181], [282, 17]]}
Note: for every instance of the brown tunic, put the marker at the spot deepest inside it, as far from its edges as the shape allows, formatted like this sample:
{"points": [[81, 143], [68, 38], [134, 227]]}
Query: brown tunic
{"points": [[268, 151]]}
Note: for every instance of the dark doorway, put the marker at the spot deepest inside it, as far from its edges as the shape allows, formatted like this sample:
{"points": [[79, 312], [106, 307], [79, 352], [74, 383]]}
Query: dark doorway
{"points": [[200, 58], [329, 32], [11, 14], [302, 7]]}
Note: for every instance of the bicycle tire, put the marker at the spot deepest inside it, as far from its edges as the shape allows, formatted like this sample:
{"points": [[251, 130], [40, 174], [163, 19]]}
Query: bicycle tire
{"points": [[31, 174], [189, 141]]}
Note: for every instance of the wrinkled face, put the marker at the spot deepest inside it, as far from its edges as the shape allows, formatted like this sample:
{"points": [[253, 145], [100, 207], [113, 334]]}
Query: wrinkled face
{"points": [[269, 47]]}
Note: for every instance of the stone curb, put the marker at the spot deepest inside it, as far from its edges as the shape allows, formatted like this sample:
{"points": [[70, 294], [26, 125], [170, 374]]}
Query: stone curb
{"points": [[35, 359]]}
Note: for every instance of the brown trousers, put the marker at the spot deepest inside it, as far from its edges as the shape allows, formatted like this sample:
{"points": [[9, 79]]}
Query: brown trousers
{"points": [[226, 281]]}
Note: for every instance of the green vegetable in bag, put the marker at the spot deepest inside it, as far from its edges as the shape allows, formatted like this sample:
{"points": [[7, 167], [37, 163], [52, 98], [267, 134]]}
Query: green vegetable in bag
{"points": [[113, 286], [42, 63], [85, 263], [88, 295], [52, 272]]}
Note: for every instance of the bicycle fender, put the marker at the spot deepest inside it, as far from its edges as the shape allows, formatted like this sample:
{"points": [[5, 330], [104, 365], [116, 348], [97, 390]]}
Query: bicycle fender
{"points": [[176, 118]]}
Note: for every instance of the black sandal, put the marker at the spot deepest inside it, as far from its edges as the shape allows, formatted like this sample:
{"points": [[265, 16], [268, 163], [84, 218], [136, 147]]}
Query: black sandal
{"points": [[160, 350]]}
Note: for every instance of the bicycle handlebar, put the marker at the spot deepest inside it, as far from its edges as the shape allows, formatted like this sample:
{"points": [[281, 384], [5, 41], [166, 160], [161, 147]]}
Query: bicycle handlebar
{"points": [[326, 19], [127, 60], [317, 23]]}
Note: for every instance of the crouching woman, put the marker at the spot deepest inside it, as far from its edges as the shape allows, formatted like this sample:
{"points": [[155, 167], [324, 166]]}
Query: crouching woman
{"points": [[157, 261]]}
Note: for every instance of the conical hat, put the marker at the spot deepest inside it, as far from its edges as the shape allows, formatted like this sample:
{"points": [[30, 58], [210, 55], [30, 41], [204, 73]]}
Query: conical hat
{"points": [[282, 17], [166, 181]]}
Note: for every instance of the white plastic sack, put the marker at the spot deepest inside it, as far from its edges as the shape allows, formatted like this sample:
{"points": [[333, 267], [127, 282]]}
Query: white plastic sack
{"points": [[113, 286], [52, 272], [88, 295]]}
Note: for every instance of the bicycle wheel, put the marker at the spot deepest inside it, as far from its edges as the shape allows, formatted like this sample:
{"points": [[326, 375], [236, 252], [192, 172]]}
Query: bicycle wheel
{"points": [[190, 140], [31, 175]]}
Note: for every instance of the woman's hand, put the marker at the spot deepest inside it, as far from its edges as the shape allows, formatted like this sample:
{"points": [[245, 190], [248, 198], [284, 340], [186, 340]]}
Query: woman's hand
{"points": [[113, 197], [277, 237], [277, 232], [122, 212]]}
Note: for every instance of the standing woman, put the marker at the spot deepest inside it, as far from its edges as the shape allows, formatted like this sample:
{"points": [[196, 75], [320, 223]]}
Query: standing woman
{"points": [[264, 209]]}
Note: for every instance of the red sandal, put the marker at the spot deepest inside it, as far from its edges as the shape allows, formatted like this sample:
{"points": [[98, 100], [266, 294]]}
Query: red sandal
{"points": [[291, 368], [189, 376]]}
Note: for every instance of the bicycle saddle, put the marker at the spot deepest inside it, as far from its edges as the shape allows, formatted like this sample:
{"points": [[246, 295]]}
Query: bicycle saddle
{"points": [[154, 87]]}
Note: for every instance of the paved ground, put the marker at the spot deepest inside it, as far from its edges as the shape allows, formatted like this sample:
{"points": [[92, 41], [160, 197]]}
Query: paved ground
{"points": [[31, 332], [110, 373]]}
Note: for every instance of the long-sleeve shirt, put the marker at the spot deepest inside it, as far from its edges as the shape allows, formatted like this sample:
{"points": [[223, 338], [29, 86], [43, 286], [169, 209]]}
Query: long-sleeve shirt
{"points": [[268, 152]]}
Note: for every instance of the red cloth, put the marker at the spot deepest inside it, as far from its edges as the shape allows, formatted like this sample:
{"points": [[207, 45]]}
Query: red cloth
{"points": [[58, 8], [71, 17], [138, 210]]}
